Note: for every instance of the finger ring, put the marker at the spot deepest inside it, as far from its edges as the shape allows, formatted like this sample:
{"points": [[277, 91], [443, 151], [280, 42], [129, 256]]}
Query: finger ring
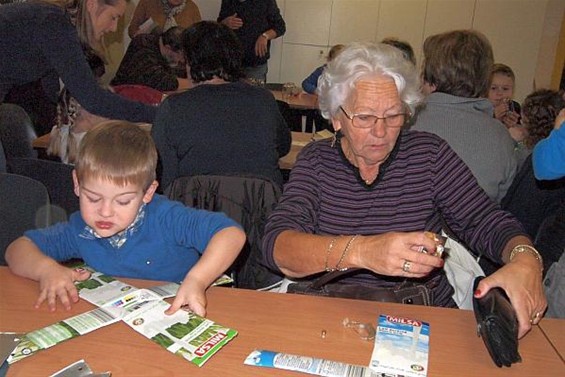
{"points": [[535, 317], [406, 266]]}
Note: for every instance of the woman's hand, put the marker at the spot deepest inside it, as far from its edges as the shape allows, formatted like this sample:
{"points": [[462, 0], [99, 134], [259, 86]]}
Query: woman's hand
{"points": [[233, 22], [501, 110], [397, 254], [521, 279], [518, 133], [57, 282], [261, 46], [191, 296], [511, 119]]}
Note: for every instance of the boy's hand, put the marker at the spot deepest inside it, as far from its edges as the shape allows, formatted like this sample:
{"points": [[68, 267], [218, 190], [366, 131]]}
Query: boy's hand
{"points": [[191, 296], [58, 282]]}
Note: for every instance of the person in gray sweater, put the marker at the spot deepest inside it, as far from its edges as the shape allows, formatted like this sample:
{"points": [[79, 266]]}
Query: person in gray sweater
{"points": [[456, 73]]}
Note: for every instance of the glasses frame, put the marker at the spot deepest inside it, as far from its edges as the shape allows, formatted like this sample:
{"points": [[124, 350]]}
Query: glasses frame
{"points": [[406, 113]]}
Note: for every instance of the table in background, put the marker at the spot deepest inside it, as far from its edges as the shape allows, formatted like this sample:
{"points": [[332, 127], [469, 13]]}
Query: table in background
{"points": [[299, 140], [279, 322], [302, 101], [554, 330]]}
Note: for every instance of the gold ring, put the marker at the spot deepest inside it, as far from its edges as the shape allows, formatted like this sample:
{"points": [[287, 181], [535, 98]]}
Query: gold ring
{"points": [[406, 266], [535, 317]]}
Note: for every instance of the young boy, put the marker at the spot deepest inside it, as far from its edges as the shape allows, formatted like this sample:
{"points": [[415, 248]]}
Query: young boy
{"points": [[125, 229]]}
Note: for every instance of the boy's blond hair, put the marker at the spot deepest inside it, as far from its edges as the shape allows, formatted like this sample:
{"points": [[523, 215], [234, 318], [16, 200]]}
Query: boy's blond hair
{"points": [[117, 151]]}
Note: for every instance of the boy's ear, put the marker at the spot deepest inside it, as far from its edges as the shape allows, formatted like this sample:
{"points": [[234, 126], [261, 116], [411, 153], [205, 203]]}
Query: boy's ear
{"points": [[76, 185], [150, 192]]}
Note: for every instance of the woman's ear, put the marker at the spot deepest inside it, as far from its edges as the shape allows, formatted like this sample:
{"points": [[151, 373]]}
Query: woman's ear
{"points": [[336, 123], [148, 196]]}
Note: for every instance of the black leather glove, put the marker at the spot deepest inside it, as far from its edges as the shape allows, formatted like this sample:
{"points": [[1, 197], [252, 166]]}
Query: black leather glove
{"points": [[497, 325]]}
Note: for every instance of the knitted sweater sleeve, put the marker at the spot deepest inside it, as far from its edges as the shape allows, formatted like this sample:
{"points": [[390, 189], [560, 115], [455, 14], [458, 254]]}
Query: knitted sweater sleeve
{"points": [[61, 48]]}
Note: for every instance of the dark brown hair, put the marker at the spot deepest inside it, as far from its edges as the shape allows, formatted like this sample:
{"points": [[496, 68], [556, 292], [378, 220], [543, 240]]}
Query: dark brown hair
{"points": [[540, 109], [458, 62]]}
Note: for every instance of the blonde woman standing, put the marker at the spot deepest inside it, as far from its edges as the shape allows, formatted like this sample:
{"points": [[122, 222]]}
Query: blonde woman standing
{"points": [[48, 40]]}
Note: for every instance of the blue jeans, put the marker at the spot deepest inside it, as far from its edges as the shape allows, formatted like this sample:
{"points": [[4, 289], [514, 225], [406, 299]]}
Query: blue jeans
{"points": [[258, 73]]}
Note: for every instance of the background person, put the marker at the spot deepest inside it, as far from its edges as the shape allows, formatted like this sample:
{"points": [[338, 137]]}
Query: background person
{"points": [[455, 73], [549, 153], [255, 23], [160, 15], [501, 92], [403, 46], [222, 125], [45, 40], [310, 83], [154, 60], [365, 199], [123, 229], [531, 200]]}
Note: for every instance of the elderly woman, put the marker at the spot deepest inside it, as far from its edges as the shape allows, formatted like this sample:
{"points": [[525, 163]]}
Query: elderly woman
{"points": [[366, 199]]}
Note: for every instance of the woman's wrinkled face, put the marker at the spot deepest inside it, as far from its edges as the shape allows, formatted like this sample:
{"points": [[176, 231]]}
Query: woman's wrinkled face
{"points": [[104, 17], [501, 88], [375, 96]]}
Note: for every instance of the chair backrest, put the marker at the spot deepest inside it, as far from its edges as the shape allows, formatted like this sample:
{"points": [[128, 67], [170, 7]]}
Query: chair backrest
{"points": [[247, 200], [24, 205], [2, 159], [57, 178], [16, 132]]}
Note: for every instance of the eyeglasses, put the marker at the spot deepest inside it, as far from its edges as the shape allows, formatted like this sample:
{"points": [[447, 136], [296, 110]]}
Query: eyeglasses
{"points": [[369, 120]]}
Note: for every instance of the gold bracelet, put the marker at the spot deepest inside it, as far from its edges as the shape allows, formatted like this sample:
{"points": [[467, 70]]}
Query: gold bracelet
{"points": [[337, 265], [330, 247], [526, 249]]}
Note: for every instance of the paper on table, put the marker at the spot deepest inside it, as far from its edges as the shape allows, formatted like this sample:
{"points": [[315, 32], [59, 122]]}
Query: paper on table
{"points": [[188, 335]]}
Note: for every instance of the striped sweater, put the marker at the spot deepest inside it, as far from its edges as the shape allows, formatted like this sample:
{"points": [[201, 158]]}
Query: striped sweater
{"points": [[422, 182]]}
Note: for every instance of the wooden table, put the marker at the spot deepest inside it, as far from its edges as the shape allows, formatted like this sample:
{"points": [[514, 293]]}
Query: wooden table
{"points": [[299, 140], [272, 321], [302, 101], [41, 142], [554, 330]]}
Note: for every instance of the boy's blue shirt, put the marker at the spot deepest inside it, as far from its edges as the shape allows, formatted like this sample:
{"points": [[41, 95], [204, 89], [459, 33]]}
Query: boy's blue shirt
{"points": [[165, 246]]}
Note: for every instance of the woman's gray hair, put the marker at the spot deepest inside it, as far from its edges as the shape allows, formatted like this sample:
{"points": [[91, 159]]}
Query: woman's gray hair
{"points": [[364, 59]]}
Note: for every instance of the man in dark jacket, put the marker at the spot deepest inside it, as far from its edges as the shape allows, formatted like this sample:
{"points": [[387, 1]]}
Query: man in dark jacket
{"points": [[154, 60], [255, 23]]}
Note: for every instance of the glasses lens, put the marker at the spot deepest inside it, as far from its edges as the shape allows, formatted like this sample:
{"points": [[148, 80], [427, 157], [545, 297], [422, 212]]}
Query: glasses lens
{"points": [[364, 120], [394, 121]]}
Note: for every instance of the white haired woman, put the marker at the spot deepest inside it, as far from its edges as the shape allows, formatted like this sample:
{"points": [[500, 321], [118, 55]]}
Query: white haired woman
{"points": [[367, 199]]}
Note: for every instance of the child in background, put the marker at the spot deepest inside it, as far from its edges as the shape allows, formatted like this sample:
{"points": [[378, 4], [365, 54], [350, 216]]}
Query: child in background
{"points": [[125, 229], [403, 46], [506, 110], [310, 83], [73, 121]]}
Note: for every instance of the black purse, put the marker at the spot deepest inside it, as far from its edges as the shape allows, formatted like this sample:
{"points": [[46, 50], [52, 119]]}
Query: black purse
{"points": [[326, 285], [497, 325]]}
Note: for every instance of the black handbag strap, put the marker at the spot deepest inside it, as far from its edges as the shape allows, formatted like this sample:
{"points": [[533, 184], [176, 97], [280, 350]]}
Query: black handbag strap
{"points": [[331, 276]]}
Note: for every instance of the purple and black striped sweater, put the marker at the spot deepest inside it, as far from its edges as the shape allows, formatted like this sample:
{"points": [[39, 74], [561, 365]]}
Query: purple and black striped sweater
{"points": [[422, 182]]}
